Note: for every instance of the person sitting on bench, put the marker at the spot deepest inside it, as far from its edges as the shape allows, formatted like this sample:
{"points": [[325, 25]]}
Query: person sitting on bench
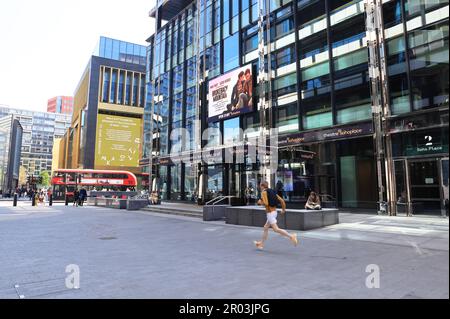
{"points": [[313, 202]]}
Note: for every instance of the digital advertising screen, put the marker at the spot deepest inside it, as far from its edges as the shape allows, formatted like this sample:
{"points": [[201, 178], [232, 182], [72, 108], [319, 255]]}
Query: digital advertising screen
{"points": [[118, 141], [231, 94]]}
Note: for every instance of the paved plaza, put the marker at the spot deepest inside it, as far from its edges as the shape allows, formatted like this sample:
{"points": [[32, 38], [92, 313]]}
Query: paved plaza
{"points": [[124, 254]]}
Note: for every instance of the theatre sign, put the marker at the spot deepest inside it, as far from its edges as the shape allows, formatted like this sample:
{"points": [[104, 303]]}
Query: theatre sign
{"points": [[326, 135]]}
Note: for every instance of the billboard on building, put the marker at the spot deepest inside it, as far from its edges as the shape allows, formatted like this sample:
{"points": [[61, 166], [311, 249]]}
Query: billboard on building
{"points": [[118, 141], [231, 94]]}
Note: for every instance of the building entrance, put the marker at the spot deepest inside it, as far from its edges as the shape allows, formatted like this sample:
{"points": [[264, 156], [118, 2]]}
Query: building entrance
{"points": [[422, 186]]}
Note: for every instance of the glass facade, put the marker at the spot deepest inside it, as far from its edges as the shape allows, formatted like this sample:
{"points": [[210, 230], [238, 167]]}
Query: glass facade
{"points": [[122, 87], [121, 51], [320, 80]]}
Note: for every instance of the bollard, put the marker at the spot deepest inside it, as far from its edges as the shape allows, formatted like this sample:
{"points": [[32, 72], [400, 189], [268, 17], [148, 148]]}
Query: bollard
{"points": [[15, 200], [33, 200], [67, 201], [50, 200]]}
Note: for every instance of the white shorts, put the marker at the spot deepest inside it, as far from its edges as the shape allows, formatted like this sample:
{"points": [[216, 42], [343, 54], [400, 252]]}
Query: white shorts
{"points": [[272, 218]]}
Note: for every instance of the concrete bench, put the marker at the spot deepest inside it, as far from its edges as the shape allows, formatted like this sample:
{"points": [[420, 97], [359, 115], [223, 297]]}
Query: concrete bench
{"points": [[111, 203], [295, 219], [136, 204], [217, 212]]}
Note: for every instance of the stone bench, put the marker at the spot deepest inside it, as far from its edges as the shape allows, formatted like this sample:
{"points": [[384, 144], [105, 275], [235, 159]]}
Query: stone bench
{"points": [[217, 212], [295, 219], [136, 204], [109, 203]]}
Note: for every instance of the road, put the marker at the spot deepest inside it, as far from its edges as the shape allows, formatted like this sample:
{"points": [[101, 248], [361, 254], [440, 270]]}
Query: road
{"points": [[147, 255]]}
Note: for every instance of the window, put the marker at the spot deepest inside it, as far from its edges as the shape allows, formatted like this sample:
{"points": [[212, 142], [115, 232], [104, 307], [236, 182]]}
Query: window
{"points": [[287, 81], [392, 13], [283, 57], [283, 28], [135, 89], [251, 44], [231, 52], [231, 131], [106, 81], [398, 81], [287, 118], [121, 85], [352, 59], [128, 89], [177, 109]]}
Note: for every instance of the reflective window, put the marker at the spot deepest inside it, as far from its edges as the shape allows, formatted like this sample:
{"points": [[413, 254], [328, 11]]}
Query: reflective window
{"points": [[106, 81], [231, 131], [121, 86], [287, 118], [398, 81], [135, 89], [429, 66], [231, 52], [112, 96]]}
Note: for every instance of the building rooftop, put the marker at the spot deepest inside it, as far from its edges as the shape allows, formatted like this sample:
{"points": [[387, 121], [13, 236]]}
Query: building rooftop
{"points": [[169, 8], [120, 50]]}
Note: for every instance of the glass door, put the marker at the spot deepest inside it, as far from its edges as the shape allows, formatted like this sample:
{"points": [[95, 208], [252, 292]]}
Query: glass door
{"points": [[402, 190], [425, 186], [251, 186]]}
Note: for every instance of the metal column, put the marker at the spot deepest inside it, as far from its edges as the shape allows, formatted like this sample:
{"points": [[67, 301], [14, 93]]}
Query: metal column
{"points": [[380, 107], [265, 86]]}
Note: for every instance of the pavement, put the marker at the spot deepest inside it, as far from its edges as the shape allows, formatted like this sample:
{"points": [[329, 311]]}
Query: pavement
{"points": [[123, 254]]}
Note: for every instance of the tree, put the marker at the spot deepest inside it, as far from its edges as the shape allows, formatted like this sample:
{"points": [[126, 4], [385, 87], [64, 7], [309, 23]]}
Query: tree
{"points": [[22, 176], [45, 179]]}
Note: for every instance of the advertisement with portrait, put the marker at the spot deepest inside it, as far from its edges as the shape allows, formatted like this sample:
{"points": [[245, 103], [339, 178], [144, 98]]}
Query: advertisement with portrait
{"points": [[231, 94]]}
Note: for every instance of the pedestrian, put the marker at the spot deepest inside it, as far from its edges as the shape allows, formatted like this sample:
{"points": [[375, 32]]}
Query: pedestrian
{"points": [[41, 197], [76, 197], [83, 196], [270, 200], [313, 202]]}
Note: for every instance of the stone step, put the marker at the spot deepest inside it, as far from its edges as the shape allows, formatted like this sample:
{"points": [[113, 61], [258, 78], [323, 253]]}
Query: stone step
{"points": [[173, 211]]}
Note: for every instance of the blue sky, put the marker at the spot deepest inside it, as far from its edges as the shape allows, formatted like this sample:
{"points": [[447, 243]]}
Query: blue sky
{"points": [[45, 45]]}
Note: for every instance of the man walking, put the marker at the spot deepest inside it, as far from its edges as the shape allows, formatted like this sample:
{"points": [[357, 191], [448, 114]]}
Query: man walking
{"points": [[83, 196], [270, 200]]}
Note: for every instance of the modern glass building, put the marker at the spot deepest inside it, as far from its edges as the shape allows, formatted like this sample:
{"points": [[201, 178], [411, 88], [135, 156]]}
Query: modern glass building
{"points": [[361, 122], [39, 131], [106, 127], [10, 151]]}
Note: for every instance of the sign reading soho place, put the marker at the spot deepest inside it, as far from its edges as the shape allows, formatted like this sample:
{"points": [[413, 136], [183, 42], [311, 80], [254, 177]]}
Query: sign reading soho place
{"points": [[324, 135]]}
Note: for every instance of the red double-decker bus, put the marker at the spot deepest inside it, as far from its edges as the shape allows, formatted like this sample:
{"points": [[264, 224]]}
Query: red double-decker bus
{"points": [[65, 181]]}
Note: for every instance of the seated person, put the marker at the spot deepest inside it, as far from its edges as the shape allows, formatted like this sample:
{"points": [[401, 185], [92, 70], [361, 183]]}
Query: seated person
{"points": [[313, 202]]}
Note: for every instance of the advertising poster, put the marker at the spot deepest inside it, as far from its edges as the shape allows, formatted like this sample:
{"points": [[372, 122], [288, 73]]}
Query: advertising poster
{"points": [[231, 94], [118, 141]]}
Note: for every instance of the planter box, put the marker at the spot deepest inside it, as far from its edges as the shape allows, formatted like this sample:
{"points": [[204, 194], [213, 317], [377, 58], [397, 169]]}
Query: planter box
{"points": [[245, 216], [259, 217], [211, 213], [293, 219], [231, 216], [136, 204]]}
